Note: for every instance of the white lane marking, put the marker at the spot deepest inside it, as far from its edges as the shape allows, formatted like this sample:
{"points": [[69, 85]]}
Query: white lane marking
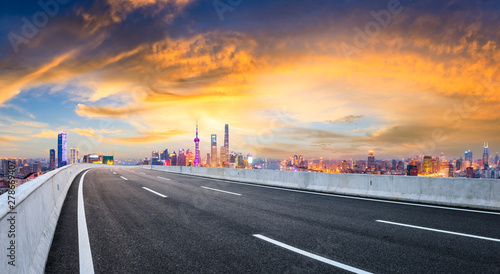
{"points": [[124, 178], [159, 194], [442, 231], [237, 194], [85, 254], [114, 172], [142, 173], [347, 197], [310, 255], [163, 178]]}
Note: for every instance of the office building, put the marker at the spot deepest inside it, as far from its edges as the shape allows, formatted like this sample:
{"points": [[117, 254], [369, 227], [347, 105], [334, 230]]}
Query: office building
{"points": [[213, 161], [371, 159], [73, 155], [62, 156], [155, 157], [486, 156], [468, 158], [52, 158]]}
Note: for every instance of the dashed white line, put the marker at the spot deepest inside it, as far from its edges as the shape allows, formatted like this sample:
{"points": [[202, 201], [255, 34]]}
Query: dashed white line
{"points": [[163, 178], [114, 172], [347, 197], [124, 178], [142, 173], [442, 231], [159, 194], [310, 255], [237, 194], [85, 254]]}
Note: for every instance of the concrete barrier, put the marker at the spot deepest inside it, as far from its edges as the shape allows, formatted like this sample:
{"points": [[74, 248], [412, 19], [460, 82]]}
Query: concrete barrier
{"points": [[38, 204], [456, 192]]}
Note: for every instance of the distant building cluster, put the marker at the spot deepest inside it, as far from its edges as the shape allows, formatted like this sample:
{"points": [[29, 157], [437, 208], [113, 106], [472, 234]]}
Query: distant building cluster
{"points": [[26, 169], [224, 159], [465, 167]]}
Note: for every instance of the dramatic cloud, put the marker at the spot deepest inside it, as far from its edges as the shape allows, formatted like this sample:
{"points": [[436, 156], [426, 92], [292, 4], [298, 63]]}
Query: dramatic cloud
{"points": [[326, 78]]}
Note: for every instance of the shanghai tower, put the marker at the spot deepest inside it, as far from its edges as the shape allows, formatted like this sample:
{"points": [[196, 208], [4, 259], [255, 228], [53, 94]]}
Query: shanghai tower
{"points": [[226, 144]]}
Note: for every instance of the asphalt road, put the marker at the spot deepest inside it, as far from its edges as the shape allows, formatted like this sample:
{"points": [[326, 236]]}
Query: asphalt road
{"points": [[143, 221]]}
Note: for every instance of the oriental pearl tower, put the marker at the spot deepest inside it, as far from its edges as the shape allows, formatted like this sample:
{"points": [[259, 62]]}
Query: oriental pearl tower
{"points": [[197, 147]]}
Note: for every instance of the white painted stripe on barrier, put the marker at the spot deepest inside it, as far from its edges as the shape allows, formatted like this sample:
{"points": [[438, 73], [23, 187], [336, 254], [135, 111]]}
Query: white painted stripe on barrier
{"points": [[124, 178], [159, 194], [85, 254], [310, 255], [214, 189], [441, 231], [163, 178]]}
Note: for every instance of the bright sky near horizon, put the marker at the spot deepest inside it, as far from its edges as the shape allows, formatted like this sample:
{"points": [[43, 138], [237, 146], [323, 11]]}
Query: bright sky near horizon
{"points": [[317, 78]]}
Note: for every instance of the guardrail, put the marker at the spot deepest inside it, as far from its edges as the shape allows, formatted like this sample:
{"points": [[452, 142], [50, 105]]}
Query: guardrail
{"points": [[456, 192], [27, 229]]}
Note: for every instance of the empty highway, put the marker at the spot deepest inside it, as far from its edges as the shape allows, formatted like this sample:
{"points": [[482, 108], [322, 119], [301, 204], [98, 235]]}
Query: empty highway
{"points": [[134, 220]]}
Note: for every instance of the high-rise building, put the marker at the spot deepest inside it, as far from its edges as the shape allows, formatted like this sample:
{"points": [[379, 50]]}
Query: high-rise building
{"points": [[497, 159], [73, 159], [62, 156], [155, 158], [52, 159], [37, 167], [427, 168], [164, 156], [371, 159], [196, 148], [213, 153], [223, 162], [190, 156], [207, 163], [173, 159], [468, 158], [486, 156], [226, 144], [181, 158]]}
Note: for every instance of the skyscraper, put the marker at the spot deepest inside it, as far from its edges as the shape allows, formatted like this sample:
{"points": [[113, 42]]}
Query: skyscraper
{"points": [[486, 156], [371, 159], [213, 153], [496, 159], [62, 156], [226, 144], [155, 157], [52, 159], [73, 159], [468, 158], [427, 165], [196, 148]]}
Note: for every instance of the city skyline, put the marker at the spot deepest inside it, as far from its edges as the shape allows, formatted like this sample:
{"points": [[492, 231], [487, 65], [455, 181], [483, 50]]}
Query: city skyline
{"points": [[332, 79]]}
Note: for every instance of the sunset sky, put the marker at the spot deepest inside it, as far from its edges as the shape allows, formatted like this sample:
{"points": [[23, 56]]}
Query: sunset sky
{"points": [[317, 78]]}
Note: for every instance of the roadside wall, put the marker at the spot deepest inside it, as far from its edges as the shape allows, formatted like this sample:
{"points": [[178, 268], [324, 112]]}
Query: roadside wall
{"points": [[37, 207], [457, 192]]}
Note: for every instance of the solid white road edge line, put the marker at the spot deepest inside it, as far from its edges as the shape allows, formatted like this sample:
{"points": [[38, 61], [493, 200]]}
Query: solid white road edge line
{"points": [[310, 255], [163, 178], [85, 254], [159, 194], [237, 194], [442, 231]]}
